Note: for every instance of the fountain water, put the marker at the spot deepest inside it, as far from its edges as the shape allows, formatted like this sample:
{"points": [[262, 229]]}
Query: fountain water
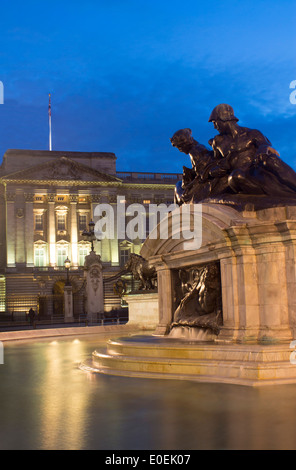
{"points": [[191, 334]]}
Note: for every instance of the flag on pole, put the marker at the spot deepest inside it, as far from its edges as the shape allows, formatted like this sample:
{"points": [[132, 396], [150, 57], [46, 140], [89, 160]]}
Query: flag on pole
{"points": [[49, 117], [49, 106]]}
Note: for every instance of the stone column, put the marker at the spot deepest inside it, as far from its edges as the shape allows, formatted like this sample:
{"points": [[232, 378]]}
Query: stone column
{"points": [[255, 287], [29, 229], [240, 296], [20, 236], [11, 228], [165, 300], [74, 229], [68, 298], [94, 286], [95, 200], [290, 274], [114, 248], [3, 248], [51, 230]]}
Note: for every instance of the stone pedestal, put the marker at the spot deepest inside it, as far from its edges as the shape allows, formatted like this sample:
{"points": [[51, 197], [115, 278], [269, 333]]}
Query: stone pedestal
{"points": [[68, 300], [94, 286], [257, 256], [143, 310]]}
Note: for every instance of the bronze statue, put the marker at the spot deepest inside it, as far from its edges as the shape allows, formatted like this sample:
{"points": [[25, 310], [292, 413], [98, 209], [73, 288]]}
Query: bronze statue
{"points": [[241, 169], [200, 301], [197, 183], [138, 266]]}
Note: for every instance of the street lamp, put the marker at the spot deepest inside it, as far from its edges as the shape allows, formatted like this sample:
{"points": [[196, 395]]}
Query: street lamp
{"points": [[90, 234], [67, 264]]}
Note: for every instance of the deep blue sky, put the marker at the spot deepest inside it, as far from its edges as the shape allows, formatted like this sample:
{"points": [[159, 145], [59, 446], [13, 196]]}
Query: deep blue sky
{"points": [[126, 74]]}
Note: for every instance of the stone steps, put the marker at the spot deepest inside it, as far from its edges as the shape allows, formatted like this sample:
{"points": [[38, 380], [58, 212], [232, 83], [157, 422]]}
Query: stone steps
{"points": [[150, 357]]}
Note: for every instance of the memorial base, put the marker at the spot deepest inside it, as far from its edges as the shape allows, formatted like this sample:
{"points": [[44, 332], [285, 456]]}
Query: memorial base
{"points": [[164, 358], [143, 309], [255, 252]]}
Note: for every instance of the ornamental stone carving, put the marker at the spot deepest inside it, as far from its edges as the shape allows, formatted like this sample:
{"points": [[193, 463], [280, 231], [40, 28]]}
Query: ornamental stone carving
{"points": [[63, 170], [10, 196], [94, 286], [29, 197]]}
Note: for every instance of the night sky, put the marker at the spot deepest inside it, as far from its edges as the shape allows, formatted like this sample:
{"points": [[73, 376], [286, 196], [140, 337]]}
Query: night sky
{"points": [[125, 75]]}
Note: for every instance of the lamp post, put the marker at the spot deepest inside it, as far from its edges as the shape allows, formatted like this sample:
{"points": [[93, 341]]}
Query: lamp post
{"points": [[68, 296], [67, 264], [90, 234], [94, 278]]}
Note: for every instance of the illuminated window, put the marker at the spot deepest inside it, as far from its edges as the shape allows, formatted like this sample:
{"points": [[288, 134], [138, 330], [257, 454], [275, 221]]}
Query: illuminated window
{"points": [[146, 201], [83, 252], [38, 222], [61, 222], [82, 221], [124, 254], [39, 256], [62, 254], [2, 294]]}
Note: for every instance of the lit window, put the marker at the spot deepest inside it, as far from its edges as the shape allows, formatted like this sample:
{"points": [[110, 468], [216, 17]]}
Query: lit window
{"points": [[38, 222], [39, 256], [61, 219], [124, 254], [62, 254], [82, 220], [146, 201], [83, 252]]}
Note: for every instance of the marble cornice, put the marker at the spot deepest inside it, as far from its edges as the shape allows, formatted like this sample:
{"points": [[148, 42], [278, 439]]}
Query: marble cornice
{"points": [[75, 183]]}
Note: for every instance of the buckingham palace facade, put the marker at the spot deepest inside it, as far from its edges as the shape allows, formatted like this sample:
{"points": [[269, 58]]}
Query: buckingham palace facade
{"points": [[47, 200]]}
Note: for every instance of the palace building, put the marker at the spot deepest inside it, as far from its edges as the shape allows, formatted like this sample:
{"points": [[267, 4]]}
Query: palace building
{"points": [[47, 200]]}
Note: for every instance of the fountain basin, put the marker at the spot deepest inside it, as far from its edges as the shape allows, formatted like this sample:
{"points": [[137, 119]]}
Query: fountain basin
{"points": [[168, 358]]}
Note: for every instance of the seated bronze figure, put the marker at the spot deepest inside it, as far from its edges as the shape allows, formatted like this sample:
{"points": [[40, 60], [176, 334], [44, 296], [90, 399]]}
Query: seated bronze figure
{"points": [[241, 169]]}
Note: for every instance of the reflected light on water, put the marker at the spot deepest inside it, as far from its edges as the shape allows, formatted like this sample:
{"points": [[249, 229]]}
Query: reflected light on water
{"points": [[48, 403], [63, 406]]}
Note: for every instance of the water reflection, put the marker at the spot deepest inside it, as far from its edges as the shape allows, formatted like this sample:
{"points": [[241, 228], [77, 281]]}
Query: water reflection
{"points": [[63, 404], [48, 403]]}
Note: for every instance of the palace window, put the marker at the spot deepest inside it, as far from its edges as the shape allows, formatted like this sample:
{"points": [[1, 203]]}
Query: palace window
{"points": [[82, 221], [39, 255], [62, 254], [82, 253], [61, 222], [124, 253], [38, 222]]}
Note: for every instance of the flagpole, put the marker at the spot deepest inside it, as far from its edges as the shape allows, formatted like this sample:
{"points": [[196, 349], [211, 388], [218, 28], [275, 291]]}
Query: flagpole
{"points": [[49, 117]]}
